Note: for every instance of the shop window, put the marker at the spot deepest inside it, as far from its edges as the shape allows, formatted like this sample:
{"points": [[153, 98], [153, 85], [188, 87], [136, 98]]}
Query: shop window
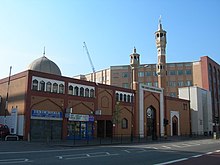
{"points": [[92, 93], [87, 92], [124, 124], [55, 87], [35, 85], [70, 90], [81, 91], [61, 88], [76, 91], [42, 86], [48, 87]]}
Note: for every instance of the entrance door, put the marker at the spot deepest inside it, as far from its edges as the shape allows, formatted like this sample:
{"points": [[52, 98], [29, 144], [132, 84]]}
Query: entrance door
{"points": [[151, 123], [109, 128], [175, 126], [100, 128]]}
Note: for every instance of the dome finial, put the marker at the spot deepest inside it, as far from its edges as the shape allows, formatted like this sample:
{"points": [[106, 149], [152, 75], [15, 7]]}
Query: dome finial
{"points": [[160, 23], [134, 49], [44, 52]]}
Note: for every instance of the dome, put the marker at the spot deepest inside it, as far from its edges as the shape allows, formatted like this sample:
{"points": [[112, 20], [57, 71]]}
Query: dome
{"points": [[43, 64]]}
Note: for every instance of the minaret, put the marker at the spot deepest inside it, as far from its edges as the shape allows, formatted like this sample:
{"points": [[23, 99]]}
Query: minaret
{"points": [[160, 36], [134, 64]]}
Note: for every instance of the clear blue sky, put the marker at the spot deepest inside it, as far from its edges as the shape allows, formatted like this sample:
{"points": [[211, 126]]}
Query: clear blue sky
{"points": [[111, 28]]}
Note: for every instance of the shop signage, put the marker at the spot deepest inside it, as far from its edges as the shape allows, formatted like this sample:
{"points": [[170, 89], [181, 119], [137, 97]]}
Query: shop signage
{"points": [[46, 115], [80, 117]]}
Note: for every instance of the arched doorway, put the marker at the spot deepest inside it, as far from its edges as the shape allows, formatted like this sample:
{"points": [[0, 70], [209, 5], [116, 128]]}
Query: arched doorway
{"points": [[175, 125], [151, 123]]}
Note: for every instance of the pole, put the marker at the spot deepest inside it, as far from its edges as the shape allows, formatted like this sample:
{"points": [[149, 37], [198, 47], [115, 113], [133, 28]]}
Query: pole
{"points": [[6, 100]]}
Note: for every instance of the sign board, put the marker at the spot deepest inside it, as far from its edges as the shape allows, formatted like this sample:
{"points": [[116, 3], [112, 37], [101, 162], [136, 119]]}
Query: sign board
{"points": [[14, 119], [80, 117], [46, 115]]}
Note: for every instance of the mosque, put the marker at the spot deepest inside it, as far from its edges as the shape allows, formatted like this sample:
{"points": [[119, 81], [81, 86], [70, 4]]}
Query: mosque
{"points": [[40, 103]]}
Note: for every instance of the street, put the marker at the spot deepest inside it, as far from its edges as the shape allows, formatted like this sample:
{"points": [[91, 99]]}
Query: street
{"points": [[178, 152]]}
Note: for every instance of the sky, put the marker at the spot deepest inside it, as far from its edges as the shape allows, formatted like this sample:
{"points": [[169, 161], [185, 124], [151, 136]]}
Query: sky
{"points": [[110, 28]]}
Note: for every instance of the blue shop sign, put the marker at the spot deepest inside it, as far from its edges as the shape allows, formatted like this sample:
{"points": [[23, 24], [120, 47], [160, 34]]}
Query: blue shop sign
{"points": [[46, 115]]}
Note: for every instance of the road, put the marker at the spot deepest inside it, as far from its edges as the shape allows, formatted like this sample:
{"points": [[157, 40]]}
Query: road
{"points": [[181, 152]]}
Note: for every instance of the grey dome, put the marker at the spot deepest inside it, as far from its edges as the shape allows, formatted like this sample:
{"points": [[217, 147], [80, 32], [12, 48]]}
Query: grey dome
{"points": [[43, 64]]}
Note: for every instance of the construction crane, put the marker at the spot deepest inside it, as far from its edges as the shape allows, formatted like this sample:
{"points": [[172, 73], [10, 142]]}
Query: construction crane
{"points": [[90, 60]]}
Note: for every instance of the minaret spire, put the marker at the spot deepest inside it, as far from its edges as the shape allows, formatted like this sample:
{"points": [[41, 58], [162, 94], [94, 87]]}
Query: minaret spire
{"points": [[160, 23]]}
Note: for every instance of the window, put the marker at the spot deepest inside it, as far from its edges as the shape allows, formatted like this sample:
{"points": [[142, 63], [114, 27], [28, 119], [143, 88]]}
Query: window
{"points": [[125, 98], [188, 83], [86, 92], [124, 124], [184, 106], [125, 85], [81, 91], [140, 74], [71, 90], [61, 88], [172, 83], [173, 94], [129, 98], [121, 97], [188, 72], [156, 84], [125, 75], [117, 97], [171, 72], [180, 83], [148, 73], [48, 87], [35, 85], [149, 83], [154, 73], [42, 86], [92, 93], [55, 87], [76, 91], [180, 72]]}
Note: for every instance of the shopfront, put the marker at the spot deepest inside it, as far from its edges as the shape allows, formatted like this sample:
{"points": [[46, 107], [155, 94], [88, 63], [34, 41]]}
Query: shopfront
{"points": [[46, 125], [80, 126]]}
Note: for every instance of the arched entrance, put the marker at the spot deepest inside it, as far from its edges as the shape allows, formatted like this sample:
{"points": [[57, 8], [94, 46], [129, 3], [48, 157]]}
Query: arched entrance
{"points": [[151, 123], [175, 125]]}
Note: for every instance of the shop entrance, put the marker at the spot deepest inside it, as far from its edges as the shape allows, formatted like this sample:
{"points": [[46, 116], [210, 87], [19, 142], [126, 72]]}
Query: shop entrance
{"points": [[104, 128], [80, 130]]}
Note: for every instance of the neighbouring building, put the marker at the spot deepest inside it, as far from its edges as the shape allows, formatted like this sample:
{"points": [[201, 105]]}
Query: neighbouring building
{"points": [[201, 109]]}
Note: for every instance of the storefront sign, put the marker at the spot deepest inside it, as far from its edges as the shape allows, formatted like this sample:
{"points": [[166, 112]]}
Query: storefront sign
{"points": [[79, 117], [46, 115]]}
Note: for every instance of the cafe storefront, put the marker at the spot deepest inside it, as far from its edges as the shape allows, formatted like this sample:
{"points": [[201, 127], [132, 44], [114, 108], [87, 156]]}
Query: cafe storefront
{"points": [[80, 126]]}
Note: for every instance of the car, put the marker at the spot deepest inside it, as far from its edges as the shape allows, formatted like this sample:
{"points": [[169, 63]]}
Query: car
{"points": [[4, 131]]}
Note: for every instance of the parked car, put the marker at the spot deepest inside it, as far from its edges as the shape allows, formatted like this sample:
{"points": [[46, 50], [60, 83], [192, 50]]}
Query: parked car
{"points": [[4, 131]]}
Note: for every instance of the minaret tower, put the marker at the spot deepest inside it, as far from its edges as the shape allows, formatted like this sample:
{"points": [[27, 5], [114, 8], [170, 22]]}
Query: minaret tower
{"points": [[160, 36], [134, 64]]}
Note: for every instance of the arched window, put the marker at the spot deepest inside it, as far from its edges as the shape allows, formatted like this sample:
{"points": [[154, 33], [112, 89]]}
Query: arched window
{"points": [[55, 87], [121, 97], [61, 88], [129, 98], [87, 92], [132, 99], [125, 98], [117, 97], [124, 123], [42, 86], [48, 86], [92, 93], [35, 85], [70, 90], [76, 91], [81, 91]]}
